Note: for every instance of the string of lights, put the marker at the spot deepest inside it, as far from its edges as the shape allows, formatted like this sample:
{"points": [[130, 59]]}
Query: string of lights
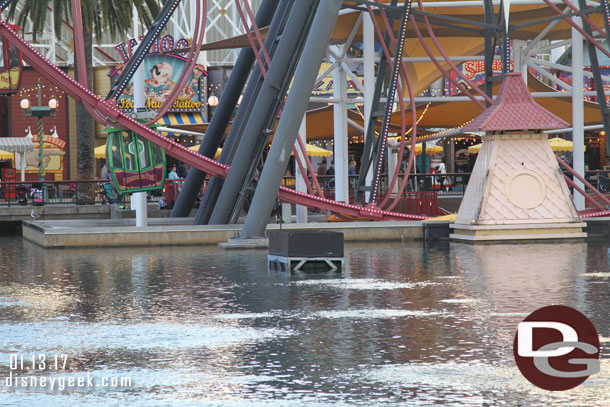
{"points": [[48, 92], [360, 139], [443, 132], [362, 116], [419, 119], [395, 75], [421, 116]]}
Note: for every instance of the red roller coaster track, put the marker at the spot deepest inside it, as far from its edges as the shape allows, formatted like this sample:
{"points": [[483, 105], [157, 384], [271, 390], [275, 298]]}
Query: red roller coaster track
{"points": [[105, 109]]}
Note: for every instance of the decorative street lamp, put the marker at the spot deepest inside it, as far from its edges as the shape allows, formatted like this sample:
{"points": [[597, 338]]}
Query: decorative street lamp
{"points": [[212, 102], [40, 112]]}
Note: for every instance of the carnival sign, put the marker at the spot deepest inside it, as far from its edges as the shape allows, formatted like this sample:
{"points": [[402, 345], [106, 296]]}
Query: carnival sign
{"points": [[325, 87], [474, 71], [162, 72], [53, 156]]}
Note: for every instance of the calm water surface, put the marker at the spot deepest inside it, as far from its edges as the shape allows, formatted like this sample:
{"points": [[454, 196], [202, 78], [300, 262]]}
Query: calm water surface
{"points": [[405, 324]]}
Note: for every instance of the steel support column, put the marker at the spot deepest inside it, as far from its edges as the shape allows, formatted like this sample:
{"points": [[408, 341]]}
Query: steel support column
{"points": [[520, 58], [578, 134], [597, 77], [340, 131], [296, 104], [368, 170], [489, 47], [271, 91], [299, 177], [243, 114], [391, 95], [368, 32], [138, 199], [606, 18], [222, 116], [392, 163]]}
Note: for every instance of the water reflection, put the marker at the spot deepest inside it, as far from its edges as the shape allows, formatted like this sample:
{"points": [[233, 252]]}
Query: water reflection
{"points": [[511, 277], [404, 324]]}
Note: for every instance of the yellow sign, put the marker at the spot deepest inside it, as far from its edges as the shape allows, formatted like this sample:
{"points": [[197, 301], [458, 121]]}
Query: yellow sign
{"points": [[154, 103], [53, 156], [325, 86], [9, 80]]}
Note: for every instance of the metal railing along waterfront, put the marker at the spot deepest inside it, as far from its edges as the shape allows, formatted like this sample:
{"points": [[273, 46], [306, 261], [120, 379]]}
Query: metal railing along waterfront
{"points": [[101, 191], [417, 199], [72, 192], [53, 192], [453, 183], [174, 186]]}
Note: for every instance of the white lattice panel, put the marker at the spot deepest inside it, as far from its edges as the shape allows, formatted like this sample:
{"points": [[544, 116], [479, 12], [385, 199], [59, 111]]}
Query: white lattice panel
{"points": [[519, 182], [471, 203]]}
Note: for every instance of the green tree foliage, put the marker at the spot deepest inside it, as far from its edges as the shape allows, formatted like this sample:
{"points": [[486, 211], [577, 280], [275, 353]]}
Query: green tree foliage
{"points": [[112, 16]]}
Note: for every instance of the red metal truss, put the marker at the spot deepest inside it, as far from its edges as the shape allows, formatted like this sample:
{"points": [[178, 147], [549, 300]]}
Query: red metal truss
{"points": [[81, 94]]}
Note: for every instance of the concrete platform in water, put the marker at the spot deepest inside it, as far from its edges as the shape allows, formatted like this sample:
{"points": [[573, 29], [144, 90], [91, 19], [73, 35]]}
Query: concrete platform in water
{"points": [[173, 231], [181, 231]]}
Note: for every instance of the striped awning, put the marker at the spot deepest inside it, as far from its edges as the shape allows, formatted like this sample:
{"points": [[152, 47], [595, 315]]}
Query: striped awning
{"points": [[16, 144], [177, 119]]}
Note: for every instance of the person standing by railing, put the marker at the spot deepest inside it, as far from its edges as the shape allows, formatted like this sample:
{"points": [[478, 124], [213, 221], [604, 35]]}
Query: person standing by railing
{"points": [[105, 172], [172, 173], [330, 175], [36, 194], [351, 174], [172, 188], [108, 191], [181, 171], [352, 168], [442, 169], [321, 170]]}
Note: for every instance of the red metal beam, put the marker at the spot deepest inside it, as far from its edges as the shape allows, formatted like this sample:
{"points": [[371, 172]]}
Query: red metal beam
{"points": [[312, 201], [584, 181], [583, 193], [75, 90]]}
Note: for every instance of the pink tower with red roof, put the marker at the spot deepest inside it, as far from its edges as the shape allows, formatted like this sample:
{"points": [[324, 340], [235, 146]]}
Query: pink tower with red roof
{"points": [[516, 191]]}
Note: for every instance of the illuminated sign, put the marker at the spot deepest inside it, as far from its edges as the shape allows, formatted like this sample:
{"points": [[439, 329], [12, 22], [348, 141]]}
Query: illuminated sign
{"points": [[163, 44], [325, 86], [474, 71], [162, 72]]}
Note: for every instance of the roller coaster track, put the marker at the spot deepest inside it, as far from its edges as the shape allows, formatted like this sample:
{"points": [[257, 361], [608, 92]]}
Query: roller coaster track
{"points": [[106, 109]]}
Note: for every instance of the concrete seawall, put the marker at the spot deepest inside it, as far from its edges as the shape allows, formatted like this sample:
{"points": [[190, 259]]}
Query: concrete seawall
{"points": [[172, 231], [54, 212], [167, 232]]}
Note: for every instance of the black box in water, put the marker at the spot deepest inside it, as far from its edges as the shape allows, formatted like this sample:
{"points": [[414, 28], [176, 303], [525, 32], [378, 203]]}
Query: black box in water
{"points": [[305, 250]]}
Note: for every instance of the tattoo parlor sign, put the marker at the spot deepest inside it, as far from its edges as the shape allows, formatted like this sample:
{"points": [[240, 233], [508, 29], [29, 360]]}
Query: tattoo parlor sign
{"points": [[162, 72]]}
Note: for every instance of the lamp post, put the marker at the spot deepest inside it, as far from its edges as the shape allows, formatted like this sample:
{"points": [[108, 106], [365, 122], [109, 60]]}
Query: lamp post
{"points": [[40, 112], [212, 102]]}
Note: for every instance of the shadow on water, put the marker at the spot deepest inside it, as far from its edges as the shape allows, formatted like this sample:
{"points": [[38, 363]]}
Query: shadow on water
{"points": [[10, 228], [404, 323]]}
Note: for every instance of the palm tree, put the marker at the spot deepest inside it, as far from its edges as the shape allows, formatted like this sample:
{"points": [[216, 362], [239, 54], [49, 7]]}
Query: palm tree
{"points": [[99, 16]]}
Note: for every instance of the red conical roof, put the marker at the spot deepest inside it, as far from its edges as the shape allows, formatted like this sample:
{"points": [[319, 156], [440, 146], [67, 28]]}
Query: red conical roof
{"points": [[515, 109]]}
